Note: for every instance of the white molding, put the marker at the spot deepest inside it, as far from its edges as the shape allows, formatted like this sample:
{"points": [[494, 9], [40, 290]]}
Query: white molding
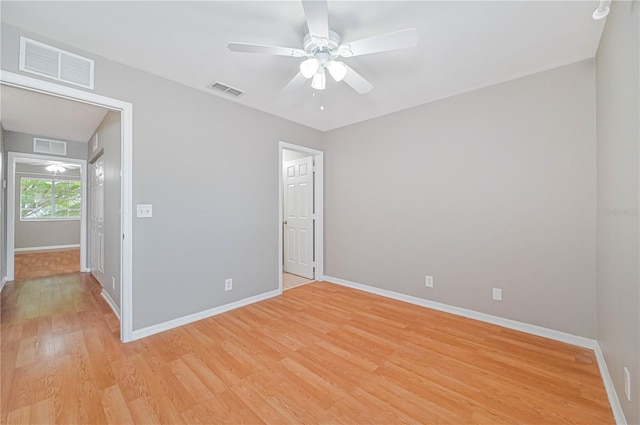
{"points": [[111, 303], [614, 401], [579, 341], [126, 117], [2, 282], [46, 248], [319, 208], [181, 321]]}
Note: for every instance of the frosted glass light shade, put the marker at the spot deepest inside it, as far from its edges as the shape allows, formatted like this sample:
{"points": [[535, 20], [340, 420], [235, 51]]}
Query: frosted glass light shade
{"points": [[53, 167], [309, 67], [337, 70], [319, 80]]}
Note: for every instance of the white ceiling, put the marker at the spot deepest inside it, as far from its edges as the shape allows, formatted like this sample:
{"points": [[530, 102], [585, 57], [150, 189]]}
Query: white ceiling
{"points": [[462, 46], [30, 112]]}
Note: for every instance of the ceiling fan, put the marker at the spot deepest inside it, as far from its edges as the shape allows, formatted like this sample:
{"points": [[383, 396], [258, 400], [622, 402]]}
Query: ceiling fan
{"points": [[53, 166], [322, 49]]}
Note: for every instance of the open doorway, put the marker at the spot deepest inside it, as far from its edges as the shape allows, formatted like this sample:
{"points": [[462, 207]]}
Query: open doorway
{"points": [[301, 200], [123, 234], [46, 206]]}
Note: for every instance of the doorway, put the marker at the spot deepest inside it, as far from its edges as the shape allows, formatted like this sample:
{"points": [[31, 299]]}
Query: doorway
{"points": [[301, 220], [35, 226], [125, 199]]}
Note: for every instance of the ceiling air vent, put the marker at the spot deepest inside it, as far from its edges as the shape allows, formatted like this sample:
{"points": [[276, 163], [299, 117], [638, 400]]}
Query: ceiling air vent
{"points": [[53, 147], [225, 89], [48, 61]]}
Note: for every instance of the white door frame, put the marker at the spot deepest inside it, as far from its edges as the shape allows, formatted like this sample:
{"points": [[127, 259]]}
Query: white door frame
{"points": [[126, 190], [13, 158], [318, 196]]}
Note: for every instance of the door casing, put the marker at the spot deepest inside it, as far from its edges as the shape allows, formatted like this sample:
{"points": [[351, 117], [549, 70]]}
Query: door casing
{"points": [[319, 208]]}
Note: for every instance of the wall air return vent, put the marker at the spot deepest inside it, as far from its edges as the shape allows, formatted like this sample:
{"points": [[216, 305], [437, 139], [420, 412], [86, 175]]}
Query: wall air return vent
{"points": [[52, 147], [47, 61], [225, 89]]}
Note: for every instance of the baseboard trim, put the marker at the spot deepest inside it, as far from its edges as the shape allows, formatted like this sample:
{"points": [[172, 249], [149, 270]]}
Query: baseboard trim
{"points": [[111, 303], [614, 401], [2, 282], [46, 248], [181, 321], [471, 314]]}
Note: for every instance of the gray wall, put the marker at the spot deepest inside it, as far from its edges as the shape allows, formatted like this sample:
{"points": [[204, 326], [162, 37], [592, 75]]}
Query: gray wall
{"points": [[33, 234], [109, 144], [209, 166], [618, 135], [492, 188]]}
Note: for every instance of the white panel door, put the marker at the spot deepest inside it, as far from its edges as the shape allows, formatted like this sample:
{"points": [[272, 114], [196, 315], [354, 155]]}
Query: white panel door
{"points": [[298, 217], [96, 219]]}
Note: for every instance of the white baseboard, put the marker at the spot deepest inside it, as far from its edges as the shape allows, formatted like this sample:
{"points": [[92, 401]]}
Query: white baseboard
{"points": [[111, 303], [483, 317], [614, 401], [170, 324], [2, 282], [46, 248]]}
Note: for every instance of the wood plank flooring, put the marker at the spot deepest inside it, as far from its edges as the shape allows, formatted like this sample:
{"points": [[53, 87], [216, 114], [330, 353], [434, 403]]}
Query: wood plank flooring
{"points": [[318, 354], [34, 264]]}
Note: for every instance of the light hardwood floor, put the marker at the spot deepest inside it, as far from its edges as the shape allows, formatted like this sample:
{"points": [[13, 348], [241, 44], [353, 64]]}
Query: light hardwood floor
{"points": [[33, 264], [320, 353]]}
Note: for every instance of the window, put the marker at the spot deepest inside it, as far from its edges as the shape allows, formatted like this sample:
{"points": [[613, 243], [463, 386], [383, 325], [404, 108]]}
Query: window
{"points": [[47, 199]]}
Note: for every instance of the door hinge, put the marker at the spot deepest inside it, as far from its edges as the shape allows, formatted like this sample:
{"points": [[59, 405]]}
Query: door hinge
{"points": [[313, 168]]}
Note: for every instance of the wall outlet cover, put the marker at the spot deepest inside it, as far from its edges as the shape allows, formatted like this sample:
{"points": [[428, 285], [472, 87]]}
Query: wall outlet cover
{"points": [[428, 281], [497, 294], [228, 284]]}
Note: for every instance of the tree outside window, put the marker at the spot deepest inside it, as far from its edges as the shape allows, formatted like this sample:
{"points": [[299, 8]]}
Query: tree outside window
{"points": [[48, 199]]}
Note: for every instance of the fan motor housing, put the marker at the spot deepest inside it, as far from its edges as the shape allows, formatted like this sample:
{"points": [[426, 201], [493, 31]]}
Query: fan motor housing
{"points": [[313, 45]]}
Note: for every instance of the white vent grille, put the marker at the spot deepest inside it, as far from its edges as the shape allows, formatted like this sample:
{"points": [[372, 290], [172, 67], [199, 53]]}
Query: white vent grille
{"points": [[53, 147], [42, 59], [225, 89]]}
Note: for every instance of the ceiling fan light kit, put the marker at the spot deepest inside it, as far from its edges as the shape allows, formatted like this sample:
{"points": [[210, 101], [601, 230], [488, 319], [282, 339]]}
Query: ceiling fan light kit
{"points": [[322, 47], [55, 168], [319, 80]]}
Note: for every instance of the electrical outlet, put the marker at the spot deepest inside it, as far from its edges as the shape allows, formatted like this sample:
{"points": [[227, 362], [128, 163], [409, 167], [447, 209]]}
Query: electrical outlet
{"points": [[428, 281], [228, 284], [497, 294], [627, 384], [113, 282]]}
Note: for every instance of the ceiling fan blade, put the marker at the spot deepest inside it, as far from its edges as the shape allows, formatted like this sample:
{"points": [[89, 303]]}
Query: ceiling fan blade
{"points": [[317, 18], [296, 82], [357, 81], [380, 43], [269, 50]]}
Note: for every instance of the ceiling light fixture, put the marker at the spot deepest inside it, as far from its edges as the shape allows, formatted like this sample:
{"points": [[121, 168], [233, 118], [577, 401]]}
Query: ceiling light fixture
{"points": [[54, 168], [319, 80], [309, 67], [601, 12], [338, 70]]}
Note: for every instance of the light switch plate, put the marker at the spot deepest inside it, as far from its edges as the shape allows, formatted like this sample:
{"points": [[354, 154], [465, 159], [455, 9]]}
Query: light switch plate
{"points": [[144, 210]]}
